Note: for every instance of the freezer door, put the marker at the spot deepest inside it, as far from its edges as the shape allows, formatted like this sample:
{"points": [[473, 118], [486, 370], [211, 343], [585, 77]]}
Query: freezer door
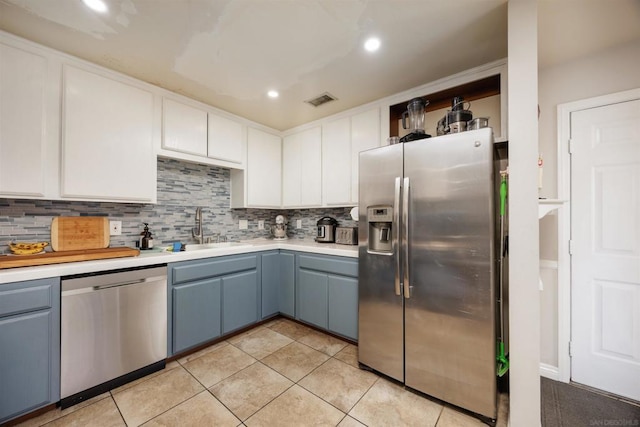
{"points": [[380, 317], [450, 307]]}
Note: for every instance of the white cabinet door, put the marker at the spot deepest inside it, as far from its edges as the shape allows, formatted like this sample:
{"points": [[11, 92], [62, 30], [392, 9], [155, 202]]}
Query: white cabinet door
{"points": [[336, 162], [302, 169], [291, 155], [264, 169], [226, 138], [22, 122], [311, 167], [184, 128], [365, 134], [107, 148]]}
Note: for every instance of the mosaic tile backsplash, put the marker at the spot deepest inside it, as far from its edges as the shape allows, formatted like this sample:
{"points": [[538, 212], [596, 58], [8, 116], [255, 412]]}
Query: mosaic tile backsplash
{"points": [[182, 187]]}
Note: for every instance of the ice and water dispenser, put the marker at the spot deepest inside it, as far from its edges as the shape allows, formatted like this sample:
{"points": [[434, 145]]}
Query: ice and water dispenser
{"points": [[380, 219]]}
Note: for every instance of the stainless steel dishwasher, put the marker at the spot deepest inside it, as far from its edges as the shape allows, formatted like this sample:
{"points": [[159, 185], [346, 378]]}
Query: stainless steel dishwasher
{"points": [[113, 330]]}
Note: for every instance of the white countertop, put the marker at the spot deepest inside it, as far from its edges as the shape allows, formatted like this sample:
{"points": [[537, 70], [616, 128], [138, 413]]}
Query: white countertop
{"points": [[160, 256]]}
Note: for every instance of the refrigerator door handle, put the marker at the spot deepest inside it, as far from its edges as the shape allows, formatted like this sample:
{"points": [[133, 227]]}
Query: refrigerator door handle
{"points": [[405, 236], [395, 232]]}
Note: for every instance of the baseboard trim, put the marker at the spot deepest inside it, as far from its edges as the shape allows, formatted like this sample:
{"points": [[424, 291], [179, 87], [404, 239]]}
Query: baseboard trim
{"points": [[549, 371]]}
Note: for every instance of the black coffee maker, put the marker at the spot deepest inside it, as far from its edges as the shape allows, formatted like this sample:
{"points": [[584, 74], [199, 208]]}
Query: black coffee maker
{"points": [[415, 114]]}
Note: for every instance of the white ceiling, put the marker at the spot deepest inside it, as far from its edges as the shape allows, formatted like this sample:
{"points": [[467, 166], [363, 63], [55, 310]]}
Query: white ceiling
{"points": [[228, 53]]}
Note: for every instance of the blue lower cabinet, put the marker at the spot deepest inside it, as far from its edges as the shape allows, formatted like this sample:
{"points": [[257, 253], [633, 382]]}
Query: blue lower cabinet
{"points": [[29, 346], [211, 297], [327, 293], [343, 306], [313, 298], [270, 284], [287, 284], [239, 300], [196, 308]]}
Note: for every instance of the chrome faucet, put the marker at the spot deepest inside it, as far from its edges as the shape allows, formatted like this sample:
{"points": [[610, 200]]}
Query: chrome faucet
{"points": [[198, 231]]}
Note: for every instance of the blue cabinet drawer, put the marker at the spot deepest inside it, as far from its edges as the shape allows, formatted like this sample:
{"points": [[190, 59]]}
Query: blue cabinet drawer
{"points": [[22, 297], [329, 264], [211, 267]]}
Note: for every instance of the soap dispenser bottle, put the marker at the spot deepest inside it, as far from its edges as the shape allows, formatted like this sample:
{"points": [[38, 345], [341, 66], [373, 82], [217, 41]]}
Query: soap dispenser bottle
{"points": [[146, 241]]}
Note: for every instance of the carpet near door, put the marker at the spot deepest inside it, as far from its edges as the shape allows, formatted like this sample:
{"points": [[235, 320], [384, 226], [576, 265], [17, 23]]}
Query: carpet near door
{"points": [[566, 405]]}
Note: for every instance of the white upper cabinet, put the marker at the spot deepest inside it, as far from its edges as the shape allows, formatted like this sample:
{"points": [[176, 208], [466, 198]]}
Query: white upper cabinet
{"points": [[342, 142], [365, 134], [184, 128], [336, 162], [107, 140], [260, 185], [302, 169], [22, 122], [201, 135], [225, 139]]}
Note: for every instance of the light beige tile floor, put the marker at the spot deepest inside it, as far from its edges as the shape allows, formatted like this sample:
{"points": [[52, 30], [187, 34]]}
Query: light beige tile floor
{"points": [[279, 374]]}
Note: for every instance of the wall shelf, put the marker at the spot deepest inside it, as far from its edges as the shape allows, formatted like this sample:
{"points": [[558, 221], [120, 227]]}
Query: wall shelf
{"points": [[471, 91], [546, 206]]}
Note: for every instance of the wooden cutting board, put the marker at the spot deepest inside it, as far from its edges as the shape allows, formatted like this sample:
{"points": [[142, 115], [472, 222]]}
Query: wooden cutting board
{"points": [[71, 233], [10, 261]]}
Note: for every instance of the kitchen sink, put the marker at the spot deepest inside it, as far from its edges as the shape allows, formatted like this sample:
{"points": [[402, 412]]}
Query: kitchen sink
{"points": [[222, 245]]}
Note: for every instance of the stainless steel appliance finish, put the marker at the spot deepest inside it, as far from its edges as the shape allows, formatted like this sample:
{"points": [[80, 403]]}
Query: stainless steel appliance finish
{"points": [[326, 230], [111, 324], [427, 306], [478, 123], [347, 235]]}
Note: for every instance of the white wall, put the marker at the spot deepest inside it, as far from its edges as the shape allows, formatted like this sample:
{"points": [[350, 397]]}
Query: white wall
{"points": [[613, 70], [524, 296]]}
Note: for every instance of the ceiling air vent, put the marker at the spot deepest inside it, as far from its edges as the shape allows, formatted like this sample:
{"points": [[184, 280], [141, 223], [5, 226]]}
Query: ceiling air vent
{"points": [[321, 99]]}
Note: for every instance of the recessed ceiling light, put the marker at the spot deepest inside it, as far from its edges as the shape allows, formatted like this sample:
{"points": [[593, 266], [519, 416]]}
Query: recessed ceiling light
{"points": [[273, 94], [97, 5], [372, 44]]}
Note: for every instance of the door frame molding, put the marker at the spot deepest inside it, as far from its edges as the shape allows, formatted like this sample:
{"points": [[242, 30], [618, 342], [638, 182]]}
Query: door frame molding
{"points": [[564, 217]]}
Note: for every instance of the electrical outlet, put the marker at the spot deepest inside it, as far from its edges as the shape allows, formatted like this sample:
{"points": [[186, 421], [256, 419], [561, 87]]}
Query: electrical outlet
{"points": [[243, 224], [298, 223], [260, 225], [115, 228]]}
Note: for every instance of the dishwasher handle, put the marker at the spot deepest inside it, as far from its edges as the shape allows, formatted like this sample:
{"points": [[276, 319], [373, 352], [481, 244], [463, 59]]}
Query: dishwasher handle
{"points": [[130, 282], [112, 285]]}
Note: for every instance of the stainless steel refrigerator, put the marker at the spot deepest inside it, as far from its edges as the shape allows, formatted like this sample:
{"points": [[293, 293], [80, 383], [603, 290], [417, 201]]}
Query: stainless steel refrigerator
{"points": [[427, 295]]}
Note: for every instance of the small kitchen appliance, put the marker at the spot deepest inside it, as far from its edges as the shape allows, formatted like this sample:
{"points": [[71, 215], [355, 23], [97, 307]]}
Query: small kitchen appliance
{"points": [[455, 120], [326, 230], [279, 230], [478, 123], [415, 114], [347, 235]]}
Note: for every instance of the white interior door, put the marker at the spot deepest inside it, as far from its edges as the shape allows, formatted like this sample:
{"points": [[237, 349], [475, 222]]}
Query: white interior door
{"points": [[605, 230]]}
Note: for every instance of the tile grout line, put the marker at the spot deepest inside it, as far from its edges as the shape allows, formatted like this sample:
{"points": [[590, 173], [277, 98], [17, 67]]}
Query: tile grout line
{"points": [[362, 397], [283, 392], [174, 406], [118, 409], [294, 382], [320, 397], [208, 389], [439, 416]]}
